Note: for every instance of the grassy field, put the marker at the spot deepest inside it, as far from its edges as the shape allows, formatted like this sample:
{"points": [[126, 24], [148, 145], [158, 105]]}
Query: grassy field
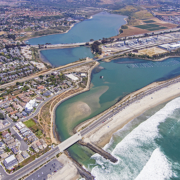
{"points": [[35, 128], [29, 123], [149, 21], [150, 27]]}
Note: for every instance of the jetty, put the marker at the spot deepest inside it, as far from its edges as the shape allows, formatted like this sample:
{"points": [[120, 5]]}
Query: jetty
{"points": [[99, 150], [83, 172]]}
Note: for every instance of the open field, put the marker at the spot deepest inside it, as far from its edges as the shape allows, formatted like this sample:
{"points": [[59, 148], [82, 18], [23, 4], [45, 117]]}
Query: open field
{"points": [[151, 51], [29, 123], [140, 21], [149, 21], [151, 27]]}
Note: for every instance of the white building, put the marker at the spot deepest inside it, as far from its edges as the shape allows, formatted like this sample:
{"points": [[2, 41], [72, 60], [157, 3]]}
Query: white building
{"points": [[10, 162], [83, 74], [72, 77], [30, 105]]}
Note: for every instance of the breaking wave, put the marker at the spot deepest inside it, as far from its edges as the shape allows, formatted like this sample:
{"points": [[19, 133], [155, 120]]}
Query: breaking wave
{"points": [[138, 153]]}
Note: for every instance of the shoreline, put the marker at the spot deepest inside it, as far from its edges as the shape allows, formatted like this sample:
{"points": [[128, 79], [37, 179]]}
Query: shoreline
{"points": [[102, 135], [121, 57], [70, 27], [53, 115]]}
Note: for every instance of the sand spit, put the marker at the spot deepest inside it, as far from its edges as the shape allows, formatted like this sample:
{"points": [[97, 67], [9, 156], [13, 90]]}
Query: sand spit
{"points": [[103, 133]]}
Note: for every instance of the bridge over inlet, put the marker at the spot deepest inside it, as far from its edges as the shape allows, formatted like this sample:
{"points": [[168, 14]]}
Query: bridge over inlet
{"points": [[69, 142], [60, 45]]}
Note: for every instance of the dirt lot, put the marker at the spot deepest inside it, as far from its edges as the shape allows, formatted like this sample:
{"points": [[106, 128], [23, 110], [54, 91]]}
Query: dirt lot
{"points": [[134, 30], [131, 31], [151, 51]]}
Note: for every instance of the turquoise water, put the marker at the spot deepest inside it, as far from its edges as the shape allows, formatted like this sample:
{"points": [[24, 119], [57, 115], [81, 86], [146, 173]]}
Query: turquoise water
{"points": [[121, 77], [59, 57], [101, 25], [147, 148]]}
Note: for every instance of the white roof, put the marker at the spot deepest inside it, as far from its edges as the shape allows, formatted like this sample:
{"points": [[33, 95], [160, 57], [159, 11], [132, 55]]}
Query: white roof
{"points": [[30, 104], [83, 74], [22, 125], [10, 158], [71, 76], [174, 45]]}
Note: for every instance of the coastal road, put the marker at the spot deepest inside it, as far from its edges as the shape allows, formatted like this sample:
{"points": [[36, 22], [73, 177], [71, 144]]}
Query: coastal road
{"points": [[31, 166]]}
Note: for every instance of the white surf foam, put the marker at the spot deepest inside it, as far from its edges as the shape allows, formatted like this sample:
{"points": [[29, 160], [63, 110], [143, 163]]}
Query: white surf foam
{"points": [[158, 167], [135, 150]]}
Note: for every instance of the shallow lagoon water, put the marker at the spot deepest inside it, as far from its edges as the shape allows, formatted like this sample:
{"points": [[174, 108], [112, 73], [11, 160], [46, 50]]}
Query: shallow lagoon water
{"points": [[59, 57]]}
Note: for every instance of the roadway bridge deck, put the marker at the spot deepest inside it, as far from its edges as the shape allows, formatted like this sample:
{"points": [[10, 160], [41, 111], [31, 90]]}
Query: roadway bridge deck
{"points": [[58, 45], [69, 142]]}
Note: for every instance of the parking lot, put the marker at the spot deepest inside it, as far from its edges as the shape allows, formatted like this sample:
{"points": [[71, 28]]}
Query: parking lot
{"points": [[50, 168]]}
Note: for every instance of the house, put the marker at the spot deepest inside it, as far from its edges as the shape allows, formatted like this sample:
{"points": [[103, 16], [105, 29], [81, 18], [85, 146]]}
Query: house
{"points": [[83, 74], [5, 123], [24, 113], [40, 87], [25, 154], [34, 146], [39, 99], [2, 145], [8, 140], [19, 158], [19, 115], [5, 134], [12, 113], [1, 152], [15, 150], [4, 155], [14, 144], [9, 109], [39, 145], [10, 162], [47, 93], [43, 143]]}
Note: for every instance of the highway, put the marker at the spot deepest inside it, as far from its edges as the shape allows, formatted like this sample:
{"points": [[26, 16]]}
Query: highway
{"points": [[31, 166]]}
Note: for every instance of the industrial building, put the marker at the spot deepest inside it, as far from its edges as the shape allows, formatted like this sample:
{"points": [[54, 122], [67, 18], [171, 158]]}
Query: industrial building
{"points": [[72, 77], [10, 162]]}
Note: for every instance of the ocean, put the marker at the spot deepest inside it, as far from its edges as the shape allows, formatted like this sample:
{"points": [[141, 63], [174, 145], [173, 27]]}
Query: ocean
{"points": [[147, 148]]}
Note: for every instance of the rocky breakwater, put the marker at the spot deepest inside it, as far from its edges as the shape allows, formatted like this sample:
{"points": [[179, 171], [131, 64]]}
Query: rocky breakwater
{"points": [[100, 151]]}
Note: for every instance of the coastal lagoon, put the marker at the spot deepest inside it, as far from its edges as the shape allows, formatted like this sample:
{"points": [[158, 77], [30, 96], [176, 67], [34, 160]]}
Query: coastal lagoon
{"points": [[101, 25], [121, 77], [59, 57]]}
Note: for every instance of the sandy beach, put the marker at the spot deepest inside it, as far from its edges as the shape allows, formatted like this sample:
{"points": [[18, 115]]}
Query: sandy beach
{"points": [[102, 134]]}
